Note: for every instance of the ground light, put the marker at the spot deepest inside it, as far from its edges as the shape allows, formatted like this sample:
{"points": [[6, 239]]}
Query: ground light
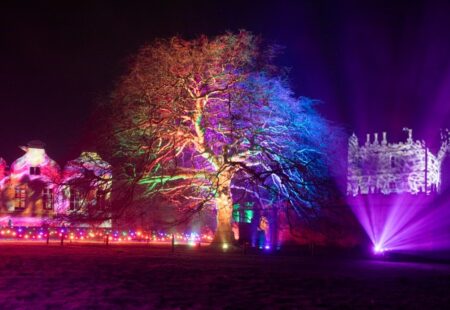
{"points": [[78, 234], [379, 249], [405, 222]]}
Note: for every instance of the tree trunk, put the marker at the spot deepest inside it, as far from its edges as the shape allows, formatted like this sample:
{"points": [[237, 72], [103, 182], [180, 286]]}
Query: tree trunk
{"points": [[224, 235]]}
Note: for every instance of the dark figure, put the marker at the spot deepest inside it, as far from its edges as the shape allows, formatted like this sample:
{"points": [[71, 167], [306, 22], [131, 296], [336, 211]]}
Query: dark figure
{"points": [[173, 243]]}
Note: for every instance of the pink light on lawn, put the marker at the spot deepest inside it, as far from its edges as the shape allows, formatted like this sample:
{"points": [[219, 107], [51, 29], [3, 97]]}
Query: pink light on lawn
{"points": [[404, 222]]}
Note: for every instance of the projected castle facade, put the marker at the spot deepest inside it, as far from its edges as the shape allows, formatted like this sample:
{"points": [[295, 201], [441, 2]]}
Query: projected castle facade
{"points": [[378, 166], [34, 190]]}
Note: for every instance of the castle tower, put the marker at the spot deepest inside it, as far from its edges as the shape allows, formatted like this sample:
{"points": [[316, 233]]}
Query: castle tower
{"points": [[392, 168]]}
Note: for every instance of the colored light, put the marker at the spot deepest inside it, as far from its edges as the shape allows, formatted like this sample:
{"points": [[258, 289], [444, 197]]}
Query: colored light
{"points": [[394, 189], [82, 234], [378, 249]]}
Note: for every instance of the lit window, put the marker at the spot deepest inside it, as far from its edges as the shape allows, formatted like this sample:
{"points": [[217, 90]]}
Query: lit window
{"points": [[74, 199], [20, 197], [244, 214], [47, 198], [35, 170]]}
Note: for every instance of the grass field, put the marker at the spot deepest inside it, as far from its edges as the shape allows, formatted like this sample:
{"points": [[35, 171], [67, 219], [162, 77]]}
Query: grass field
{"points": [[133, 277]]}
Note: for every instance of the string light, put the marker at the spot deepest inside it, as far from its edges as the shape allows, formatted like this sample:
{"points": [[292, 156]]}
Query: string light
{"points": [[99, 235]]}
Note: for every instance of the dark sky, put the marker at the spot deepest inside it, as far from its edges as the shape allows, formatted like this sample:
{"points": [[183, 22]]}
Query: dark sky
{"points": [[375, 65]]}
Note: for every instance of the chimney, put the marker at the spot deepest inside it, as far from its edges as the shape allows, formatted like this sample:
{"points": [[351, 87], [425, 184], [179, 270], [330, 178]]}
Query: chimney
{"points": [[384, 141], [409, 140]]}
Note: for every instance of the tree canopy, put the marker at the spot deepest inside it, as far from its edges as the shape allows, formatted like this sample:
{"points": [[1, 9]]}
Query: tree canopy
{"points": [[203, 122]]}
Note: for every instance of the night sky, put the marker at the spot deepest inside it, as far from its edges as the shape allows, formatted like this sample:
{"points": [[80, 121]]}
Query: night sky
{"points": [[374, 65]]}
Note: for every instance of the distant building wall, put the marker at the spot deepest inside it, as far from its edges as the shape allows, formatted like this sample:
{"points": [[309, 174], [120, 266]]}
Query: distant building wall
{"points": [[378, 166], [34, 190]]}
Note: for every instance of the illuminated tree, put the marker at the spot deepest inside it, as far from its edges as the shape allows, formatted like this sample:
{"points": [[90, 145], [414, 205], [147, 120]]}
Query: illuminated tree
{"points": [[198, 121]]}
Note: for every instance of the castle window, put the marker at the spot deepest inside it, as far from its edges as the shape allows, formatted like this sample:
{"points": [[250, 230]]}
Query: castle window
{"points": [[47, 198], [74, 202], [392, 185], [35, 170], [358, 162], [392, 162], [20, 197]]}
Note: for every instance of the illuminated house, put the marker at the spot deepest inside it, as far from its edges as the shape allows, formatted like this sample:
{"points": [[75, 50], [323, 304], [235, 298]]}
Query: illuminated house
{"points": [[29, 190], [86, 185], [34, 191], [380, 167]]}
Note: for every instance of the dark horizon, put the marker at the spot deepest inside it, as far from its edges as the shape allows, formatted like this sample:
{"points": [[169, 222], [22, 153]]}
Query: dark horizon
{"points": [[375, 66]]}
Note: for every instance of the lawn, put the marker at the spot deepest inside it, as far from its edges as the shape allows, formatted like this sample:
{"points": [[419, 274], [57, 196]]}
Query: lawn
{"points": [[95, 276]]}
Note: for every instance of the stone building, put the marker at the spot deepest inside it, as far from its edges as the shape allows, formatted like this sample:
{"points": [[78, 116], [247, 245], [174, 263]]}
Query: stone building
{"points": [[86, 187], [34, 190], [378, 166]]}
